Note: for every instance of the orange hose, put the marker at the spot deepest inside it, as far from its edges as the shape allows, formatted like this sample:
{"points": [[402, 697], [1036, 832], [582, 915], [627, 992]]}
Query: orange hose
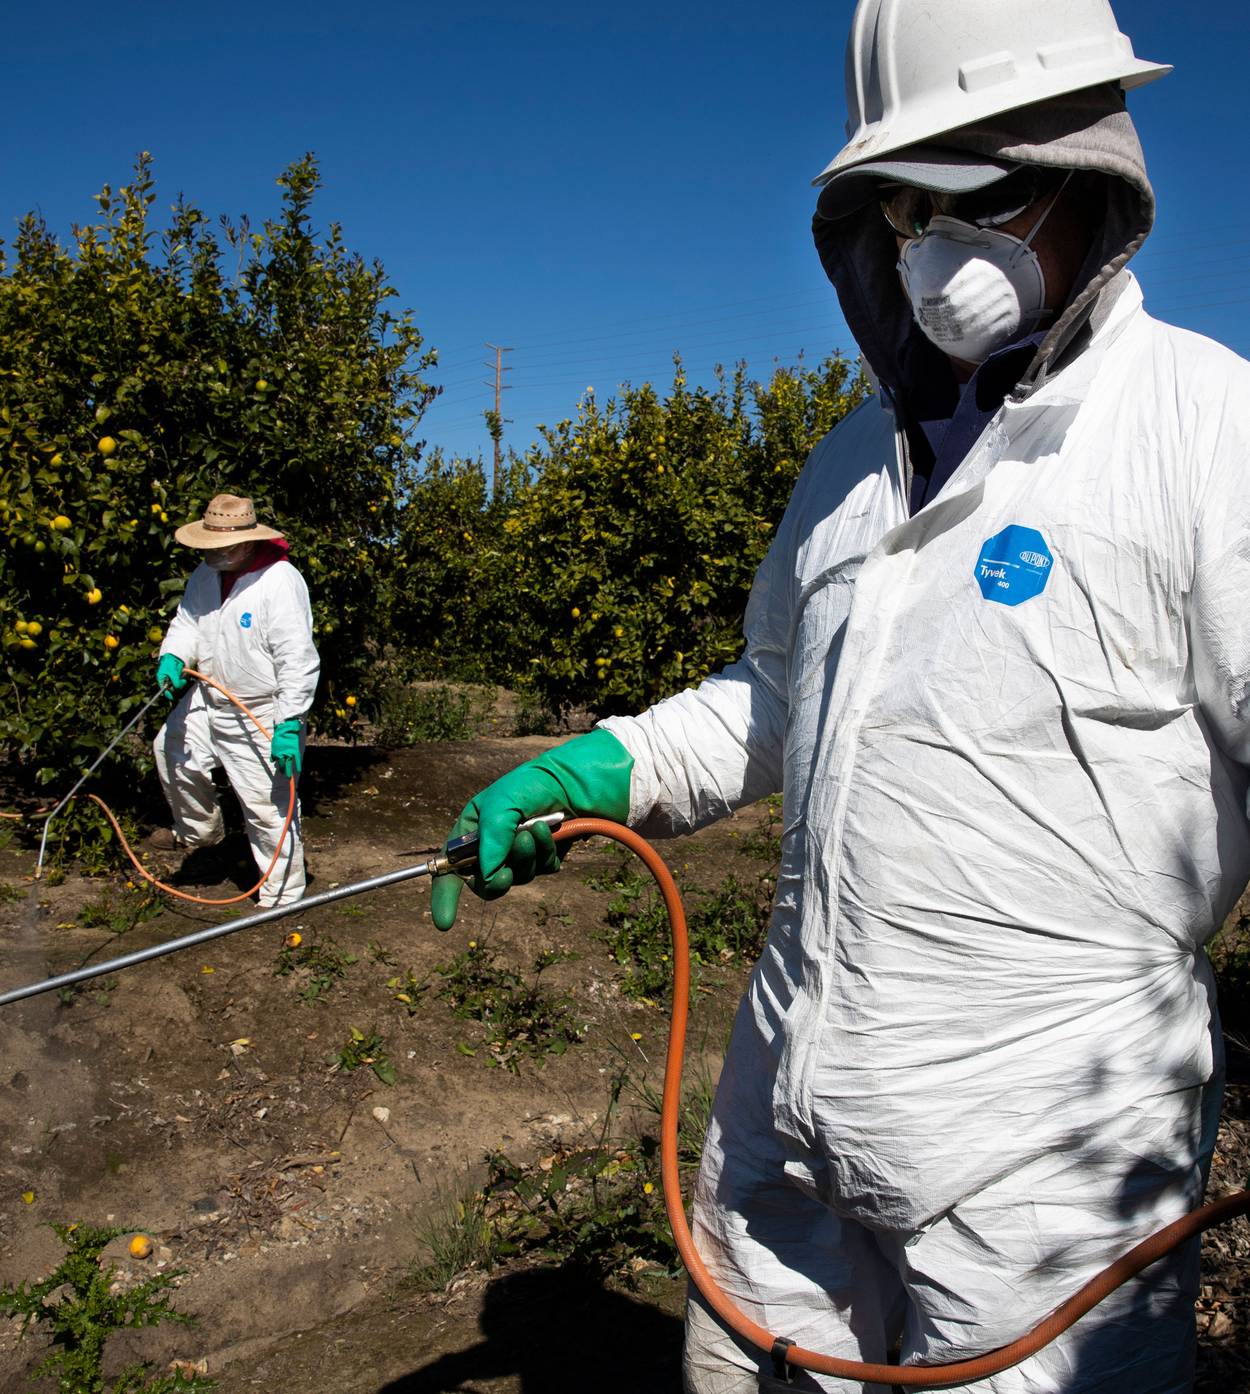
{"points": [[908, 1376], [277, 851]]}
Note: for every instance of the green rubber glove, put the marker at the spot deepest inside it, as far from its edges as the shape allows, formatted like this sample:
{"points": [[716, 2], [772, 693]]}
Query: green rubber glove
{"points": [[284, 748], [589, 776], [169, 675]]}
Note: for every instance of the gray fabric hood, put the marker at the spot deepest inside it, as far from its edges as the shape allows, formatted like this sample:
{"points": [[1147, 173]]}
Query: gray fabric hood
{"points": [[1089, 132]]}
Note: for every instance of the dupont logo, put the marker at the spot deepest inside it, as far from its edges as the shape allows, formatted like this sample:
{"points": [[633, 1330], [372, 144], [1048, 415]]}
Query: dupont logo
{"points": [[1013, 566]]}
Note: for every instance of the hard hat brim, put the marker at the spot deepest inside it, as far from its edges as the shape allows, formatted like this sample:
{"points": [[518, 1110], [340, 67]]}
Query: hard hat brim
{"points": [[934, 169]]}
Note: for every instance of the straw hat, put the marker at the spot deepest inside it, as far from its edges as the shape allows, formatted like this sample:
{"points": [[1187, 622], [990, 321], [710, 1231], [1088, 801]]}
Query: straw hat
{"points": [[228, 519]]}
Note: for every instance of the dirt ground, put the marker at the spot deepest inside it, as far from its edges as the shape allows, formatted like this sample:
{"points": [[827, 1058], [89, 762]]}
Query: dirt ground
{"points": [[195, 1098]]}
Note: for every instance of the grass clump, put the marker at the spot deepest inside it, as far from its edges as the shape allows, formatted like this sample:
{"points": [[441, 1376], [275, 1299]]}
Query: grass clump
{"points": [[80, 1306]]}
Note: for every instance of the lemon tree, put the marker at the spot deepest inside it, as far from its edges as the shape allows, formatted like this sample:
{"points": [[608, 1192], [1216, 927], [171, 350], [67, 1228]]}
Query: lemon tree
{"points": [[613, 563], [143, 371]]}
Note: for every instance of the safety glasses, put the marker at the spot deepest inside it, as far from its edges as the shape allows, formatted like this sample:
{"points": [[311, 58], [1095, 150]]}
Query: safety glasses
{"points": [[908, 209]]}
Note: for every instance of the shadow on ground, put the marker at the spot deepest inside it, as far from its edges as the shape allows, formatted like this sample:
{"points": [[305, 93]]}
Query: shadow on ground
{"points": [[558, 1333]]}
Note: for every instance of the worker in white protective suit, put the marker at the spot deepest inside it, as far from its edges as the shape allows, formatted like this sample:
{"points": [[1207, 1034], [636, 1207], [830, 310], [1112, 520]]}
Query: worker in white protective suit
{"points": [[997, 659], [245, 621]]}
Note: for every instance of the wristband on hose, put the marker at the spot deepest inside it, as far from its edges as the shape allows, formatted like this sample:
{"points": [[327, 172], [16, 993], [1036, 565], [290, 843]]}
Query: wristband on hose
{"points": [[284, 747], [169, 675], [588, 776]]}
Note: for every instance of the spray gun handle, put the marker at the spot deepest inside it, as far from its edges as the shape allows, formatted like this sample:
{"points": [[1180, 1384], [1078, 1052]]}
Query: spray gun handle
{"points": [[460, 854]]}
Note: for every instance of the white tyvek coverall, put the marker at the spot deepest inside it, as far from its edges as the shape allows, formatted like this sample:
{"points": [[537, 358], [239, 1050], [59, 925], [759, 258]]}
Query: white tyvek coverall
{"points": [[978, 1059], [258, 643]]}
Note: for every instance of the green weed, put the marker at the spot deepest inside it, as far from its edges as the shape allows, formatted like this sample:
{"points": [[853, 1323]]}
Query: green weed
{"points": [[121, 911], [598, 1208], [727, 925], [522, 1022], [79, 1308], [410, 715], [317, 961], [10, 894], [361, 1049]]}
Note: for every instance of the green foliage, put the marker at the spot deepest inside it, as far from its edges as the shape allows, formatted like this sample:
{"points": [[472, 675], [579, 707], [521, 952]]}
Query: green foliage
{"points": [[598, 1208], [142, 372], [318, 963], [361, 1049], [120, 909], [458, 1237], [408, 715], [728, 925], [79, 1310], [612, 563], [523, 1022]]}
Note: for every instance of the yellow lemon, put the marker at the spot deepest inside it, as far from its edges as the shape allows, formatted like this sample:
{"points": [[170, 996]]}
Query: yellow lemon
{"points": [[340, 712], [94, 595], [26, 643], [106, 445], [61, 523], [140, 1246], [56, 459], [156, 508], [576, 613], [261, 384], [111, 641], [164, 516], [28, 1197], [34, 629], [618, 631], [294, 939], [21, 626], [349, 701], [154, 635]]}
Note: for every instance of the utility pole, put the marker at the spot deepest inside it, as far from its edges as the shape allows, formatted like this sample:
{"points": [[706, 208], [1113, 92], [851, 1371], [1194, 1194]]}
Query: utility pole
{"points": [[497, 419]]}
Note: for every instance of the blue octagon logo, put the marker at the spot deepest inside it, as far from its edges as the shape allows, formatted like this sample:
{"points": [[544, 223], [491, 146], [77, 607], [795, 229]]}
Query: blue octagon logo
{"points": [[1014, 566]]}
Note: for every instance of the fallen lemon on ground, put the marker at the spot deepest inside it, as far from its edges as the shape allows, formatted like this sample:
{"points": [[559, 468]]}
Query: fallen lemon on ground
{"points": [[28, 1197], [140, 1246], [293, 940]]}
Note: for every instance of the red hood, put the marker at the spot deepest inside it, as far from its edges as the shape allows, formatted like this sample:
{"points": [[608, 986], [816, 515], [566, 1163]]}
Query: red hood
{"points": [[266, 553]]}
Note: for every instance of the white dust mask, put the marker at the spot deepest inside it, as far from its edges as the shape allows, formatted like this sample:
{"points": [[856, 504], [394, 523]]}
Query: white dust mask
{"points": [[973, 289]]}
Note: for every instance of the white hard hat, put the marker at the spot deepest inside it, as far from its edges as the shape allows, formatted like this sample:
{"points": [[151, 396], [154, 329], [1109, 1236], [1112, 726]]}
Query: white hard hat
{"points": [[918, 68]]}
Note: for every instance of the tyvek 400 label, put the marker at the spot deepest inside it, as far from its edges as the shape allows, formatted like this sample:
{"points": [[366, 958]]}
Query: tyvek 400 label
{"points": [[1014, 565]]}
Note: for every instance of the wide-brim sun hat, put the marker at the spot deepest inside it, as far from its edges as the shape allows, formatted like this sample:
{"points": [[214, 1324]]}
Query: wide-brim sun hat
{"points": [[227, 520]]}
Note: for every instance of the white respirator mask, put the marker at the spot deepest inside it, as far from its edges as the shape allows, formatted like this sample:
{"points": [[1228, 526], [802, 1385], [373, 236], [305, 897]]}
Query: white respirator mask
{"points": [[974, 289]]}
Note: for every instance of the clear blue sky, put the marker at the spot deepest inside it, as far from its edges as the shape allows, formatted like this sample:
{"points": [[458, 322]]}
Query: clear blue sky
{"points": [[593, 185]]}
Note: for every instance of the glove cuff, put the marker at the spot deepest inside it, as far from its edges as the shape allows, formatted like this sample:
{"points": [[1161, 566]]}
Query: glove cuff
{"points": [[594, 772]]}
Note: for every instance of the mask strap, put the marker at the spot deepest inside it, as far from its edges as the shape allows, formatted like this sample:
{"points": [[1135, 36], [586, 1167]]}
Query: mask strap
{"points": [[1045, 213]]}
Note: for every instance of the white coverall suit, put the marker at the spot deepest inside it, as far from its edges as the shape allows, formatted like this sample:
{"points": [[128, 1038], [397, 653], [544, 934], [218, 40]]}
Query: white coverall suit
{"points": [[979, 1057], [258, 643]]}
